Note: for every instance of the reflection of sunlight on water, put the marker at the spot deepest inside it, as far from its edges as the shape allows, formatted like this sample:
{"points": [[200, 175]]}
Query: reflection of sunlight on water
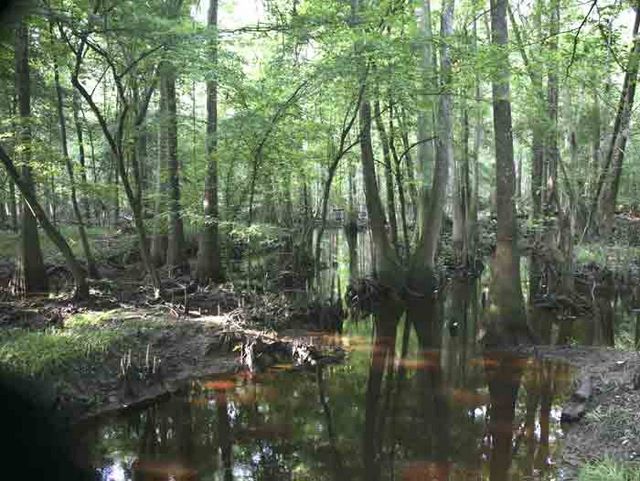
{"points": [[115, 472], [480, 412]]}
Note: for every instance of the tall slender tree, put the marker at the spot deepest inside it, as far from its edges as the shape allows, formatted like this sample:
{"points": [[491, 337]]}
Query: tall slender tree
{"points": [[209, 267], [433, 203], [509, 324], [32, 272], [609, 180]]}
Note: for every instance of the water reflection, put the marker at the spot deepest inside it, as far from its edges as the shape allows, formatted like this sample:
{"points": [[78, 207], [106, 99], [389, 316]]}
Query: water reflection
{"points": [[417, 400]]}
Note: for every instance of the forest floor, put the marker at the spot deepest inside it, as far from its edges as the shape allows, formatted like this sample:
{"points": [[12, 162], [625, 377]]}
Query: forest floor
{"points": [[610, 427]]}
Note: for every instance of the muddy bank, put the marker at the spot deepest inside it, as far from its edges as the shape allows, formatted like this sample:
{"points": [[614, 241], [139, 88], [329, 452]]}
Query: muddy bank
{"points": [[91, 359], [610, 426], [175, 354]]}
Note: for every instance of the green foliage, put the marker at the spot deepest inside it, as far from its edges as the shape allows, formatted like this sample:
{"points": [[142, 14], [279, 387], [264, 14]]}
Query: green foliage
{"points": [[255, 235], [609, 470]]}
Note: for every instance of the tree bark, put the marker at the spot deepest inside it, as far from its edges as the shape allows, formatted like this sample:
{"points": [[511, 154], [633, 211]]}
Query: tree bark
{"points": [[426, 124], [433, 212], [399, 180], [176, 259], [32, 272], [159, 238], [552, 153], [209, 267], [31, 203], [81, 156], [609, 181], [509, 324], [385, 257], [388, 173]]}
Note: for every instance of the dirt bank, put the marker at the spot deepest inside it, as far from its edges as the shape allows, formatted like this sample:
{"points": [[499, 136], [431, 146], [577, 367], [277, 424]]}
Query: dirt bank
{"points": [[611, 426], [99, 357]]}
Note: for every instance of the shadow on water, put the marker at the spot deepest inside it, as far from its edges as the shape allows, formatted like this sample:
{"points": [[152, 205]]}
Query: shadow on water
{"points": [[419, 397]]}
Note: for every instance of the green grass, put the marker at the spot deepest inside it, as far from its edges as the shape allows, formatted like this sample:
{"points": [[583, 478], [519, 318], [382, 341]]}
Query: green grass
{"points": [[83, 342], [43, 353], [89, 319], [609, 470]]}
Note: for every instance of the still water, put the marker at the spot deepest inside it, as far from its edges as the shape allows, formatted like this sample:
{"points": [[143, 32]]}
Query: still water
{"points": [[417, 399]]}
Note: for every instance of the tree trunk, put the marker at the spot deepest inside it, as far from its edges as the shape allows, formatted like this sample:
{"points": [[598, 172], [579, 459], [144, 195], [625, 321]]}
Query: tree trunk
{"points": [[537, 168], [159, 238], [209, 267], [477, 145], [91, 266], [32, 205], [32, 272], [351, 228], [13, 207], [176, 259], [426, 127], [116, 147], [461, 198], [509, 324], [552, 153], [400, 181], [433, 212], [385, 257], [609, 181], [411, 179], [388, 173], [81, 156]]}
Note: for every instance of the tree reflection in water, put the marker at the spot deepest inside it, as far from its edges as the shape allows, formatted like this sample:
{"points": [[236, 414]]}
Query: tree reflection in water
{"points": [[418, 399]]}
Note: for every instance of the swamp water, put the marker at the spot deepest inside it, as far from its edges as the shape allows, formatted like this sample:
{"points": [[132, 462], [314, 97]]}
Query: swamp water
{"points": [[409, 403]]}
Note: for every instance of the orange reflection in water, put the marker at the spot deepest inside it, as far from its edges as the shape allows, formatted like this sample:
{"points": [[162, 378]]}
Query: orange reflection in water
{"points": [[417, 363], [426, 471], [164, 470], [220, 384], [283, 367], [469, 398], [484, 362]]}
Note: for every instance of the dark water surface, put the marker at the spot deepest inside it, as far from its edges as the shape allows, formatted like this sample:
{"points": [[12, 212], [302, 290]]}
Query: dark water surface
{"points": [[417, 399]]}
